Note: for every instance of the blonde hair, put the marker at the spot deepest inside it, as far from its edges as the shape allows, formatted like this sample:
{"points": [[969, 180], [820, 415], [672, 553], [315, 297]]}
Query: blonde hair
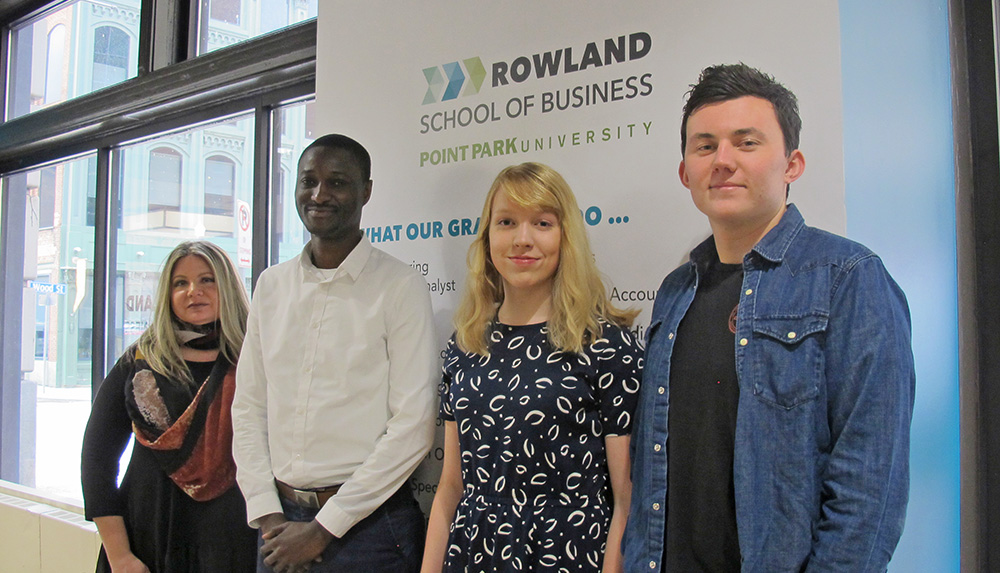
{"points": [[159, 346], [579, 300]]}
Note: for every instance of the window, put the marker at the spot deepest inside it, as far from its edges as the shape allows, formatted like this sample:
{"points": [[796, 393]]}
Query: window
{"points": [[220, 173], [168, 177], [90, 216], [165, 167], [55, 68], [111, 51], [287, 233], [227, 11], [278, 206], [56, 299], [150, 231], [41, 322], [228, 22], [47, 198], [44, 49]]}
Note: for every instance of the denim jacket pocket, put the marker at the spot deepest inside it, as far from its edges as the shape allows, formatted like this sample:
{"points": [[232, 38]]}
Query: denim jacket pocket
{"points": [[787, 359]]}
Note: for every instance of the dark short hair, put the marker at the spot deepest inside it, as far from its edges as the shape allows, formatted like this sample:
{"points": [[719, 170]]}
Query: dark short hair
{"points": [[730, 81], [338, 141]]}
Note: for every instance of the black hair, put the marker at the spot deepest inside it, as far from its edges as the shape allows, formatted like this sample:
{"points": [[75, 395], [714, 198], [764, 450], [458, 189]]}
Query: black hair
{"points": [[338, 141], [730, 81]]}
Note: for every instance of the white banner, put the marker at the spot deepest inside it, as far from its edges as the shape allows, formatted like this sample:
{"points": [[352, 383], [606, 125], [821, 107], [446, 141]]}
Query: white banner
{"points": [[444, 94]]}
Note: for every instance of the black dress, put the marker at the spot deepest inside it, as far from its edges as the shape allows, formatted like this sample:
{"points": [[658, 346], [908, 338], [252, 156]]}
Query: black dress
{"points": [[168, 530], [531, 429]]}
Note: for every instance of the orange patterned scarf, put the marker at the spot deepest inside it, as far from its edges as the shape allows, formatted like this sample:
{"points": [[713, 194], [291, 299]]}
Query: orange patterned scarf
{"points": [[195, 450]]}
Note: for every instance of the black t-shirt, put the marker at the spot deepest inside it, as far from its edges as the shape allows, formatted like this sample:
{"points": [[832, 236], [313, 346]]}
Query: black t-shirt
{"points": [[701, 514]]}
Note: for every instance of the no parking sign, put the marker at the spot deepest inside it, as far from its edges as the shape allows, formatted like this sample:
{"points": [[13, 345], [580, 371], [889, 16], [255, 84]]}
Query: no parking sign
{"points": [[243, 233]]}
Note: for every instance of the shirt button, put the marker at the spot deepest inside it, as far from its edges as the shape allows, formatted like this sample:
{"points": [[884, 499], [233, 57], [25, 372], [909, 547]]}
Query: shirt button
{"points": [[670, 336], [656, 447], [656, 507], [744, 342], [652, 564], [791, 335], [749, 291], [661, 390]]}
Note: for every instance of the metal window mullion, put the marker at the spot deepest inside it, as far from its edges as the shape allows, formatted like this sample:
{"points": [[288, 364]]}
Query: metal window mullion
{"points": [[263, 153], [105, 233], [4, 80]]}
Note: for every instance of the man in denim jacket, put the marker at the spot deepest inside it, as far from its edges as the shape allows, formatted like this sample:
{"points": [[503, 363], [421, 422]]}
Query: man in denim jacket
{"points": [[778, 363]]}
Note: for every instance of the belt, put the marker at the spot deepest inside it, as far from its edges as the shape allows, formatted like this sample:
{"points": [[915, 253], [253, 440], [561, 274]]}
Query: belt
{"points": [[313, 498]]}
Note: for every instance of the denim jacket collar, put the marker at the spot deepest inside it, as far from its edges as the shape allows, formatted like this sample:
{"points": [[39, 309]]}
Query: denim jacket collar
{"points": [[775, 243], [772, 247]]}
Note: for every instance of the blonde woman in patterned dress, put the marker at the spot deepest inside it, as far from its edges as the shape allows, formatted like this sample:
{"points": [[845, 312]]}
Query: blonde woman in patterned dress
{"points": [[540, 382]]}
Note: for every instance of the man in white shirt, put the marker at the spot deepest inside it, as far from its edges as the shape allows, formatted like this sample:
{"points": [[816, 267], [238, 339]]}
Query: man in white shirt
{"points": [[334, 404]]}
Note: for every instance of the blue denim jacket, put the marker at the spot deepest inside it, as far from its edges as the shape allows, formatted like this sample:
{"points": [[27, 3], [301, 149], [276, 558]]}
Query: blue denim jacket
{"points": [[825, 369]]}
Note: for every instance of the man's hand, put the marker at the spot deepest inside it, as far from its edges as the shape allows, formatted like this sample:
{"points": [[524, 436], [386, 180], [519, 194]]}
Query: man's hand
{"points": [[270, 521], [292, 546]]}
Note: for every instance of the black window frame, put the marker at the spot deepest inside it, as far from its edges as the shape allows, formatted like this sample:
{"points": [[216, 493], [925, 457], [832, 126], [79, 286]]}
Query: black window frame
{"points": [[173, 90]]}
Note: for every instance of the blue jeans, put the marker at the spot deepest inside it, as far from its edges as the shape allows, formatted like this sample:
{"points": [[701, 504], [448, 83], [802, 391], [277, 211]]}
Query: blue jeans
{"points": [[391, 539]]}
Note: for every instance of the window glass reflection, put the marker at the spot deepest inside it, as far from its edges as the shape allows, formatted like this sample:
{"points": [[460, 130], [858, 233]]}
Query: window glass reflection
{"points": [[228, 22], [173, 188], [165, 170], [295, 130], [111, 51], [83, 46], [220, 175]]}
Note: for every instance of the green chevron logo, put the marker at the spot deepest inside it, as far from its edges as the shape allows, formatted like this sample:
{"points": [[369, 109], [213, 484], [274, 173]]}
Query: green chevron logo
{"points": [[446, 82]]}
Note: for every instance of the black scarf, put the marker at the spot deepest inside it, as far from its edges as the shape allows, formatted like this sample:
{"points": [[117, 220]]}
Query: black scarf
{"points": [[197, 336]]}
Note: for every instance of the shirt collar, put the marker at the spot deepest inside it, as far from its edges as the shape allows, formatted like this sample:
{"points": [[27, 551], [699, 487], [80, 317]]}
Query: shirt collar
{"points": [[351, 266], [772, 247], [775, 243]]}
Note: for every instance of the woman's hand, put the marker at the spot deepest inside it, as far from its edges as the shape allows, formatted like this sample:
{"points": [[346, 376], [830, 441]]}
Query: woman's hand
{"points": [[129, 564], [116, 545]]}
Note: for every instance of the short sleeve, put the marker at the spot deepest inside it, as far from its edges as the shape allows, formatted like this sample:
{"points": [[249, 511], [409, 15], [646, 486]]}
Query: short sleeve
{"points": [[445, 410], [617, 356]]}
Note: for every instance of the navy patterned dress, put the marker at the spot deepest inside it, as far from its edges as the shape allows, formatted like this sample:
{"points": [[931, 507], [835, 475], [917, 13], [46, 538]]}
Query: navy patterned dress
{"points": [[531, 429]]}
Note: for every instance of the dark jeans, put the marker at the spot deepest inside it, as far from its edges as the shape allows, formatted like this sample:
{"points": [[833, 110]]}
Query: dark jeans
{"points": [[391, 539]]}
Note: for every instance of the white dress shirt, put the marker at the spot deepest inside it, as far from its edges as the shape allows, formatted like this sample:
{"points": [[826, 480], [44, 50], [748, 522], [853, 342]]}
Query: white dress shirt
{"points": [[336, 384]]}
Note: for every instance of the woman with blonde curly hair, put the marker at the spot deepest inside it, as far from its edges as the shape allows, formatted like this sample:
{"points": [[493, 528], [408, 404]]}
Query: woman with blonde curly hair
{"points": [[178, 508], [540, 382]]}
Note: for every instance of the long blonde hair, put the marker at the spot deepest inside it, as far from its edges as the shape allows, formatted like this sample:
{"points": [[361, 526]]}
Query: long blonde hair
{"points": [[579, 300], [159, 345]]}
